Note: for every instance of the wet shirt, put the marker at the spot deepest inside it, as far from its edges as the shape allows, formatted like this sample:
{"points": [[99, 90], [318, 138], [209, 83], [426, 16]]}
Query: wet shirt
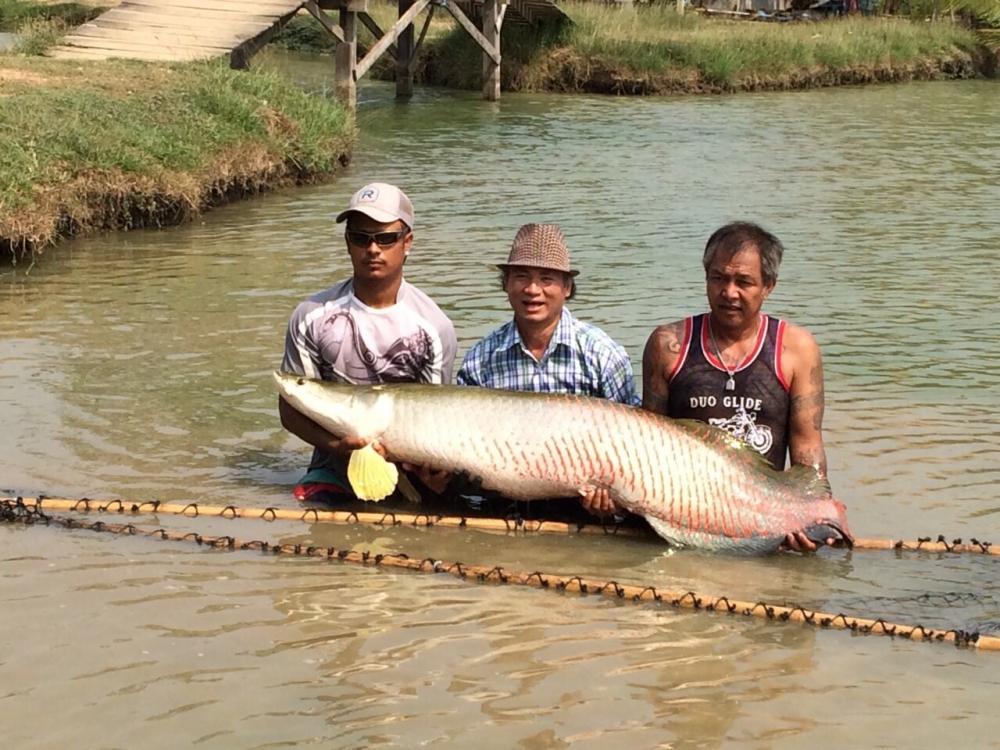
{"points": [[580, 359], [756, 410], [335, 336]]}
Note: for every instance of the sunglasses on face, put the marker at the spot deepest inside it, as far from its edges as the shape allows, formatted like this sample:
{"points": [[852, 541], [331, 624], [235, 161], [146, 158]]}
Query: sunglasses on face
{"points": [[382, 239]]}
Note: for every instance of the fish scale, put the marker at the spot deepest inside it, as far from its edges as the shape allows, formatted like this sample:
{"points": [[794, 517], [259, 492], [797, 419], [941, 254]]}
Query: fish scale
{"points": [[693, 483]]}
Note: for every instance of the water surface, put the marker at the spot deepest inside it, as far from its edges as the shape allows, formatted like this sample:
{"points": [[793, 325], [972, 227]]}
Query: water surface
{"points": [[136, 366]]}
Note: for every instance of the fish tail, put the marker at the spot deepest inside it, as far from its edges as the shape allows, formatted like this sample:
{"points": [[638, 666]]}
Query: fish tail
{"points": [[370, 475]]}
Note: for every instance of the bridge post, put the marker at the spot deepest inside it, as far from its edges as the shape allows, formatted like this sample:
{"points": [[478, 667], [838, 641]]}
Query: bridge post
{"points": [[404, 53], [491, 31], [346, 61]]}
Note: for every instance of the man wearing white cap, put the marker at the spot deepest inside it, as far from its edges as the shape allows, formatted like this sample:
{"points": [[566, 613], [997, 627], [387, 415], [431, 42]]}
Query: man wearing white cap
{"points": [[545, 349], [373, 327]]}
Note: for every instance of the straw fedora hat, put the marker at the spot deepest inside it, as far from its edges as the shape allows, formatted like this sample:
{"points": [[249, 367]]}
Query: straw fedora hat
{"points": [[539, 246]]}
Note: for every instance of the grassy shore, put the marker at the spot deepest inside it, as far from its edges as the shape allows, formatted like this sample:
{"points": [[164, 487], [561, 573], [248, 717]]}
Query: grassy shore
{"points": [[650, 49], [16, 13], [116, 145]]}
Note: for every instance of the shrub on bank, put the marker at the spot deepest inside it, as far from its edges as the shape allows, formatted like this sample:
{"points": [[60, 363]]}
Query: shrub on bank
{"points": [[15, 13], [651, 49], [120, 144]]}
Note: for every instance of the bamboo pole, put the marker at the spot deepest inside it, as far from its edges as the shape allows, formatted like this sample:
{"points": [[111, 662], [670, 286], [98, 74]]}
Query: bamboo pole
{"points": [[568, 584], [398, 518], [316, 515]]}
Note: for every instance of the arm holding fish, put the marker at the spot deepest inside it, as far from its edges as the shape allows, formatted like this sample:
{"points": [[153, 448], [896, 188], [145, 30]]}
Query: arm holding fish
{"points": [[301, 358], [802, 367], [435, 480], [302, 427]]}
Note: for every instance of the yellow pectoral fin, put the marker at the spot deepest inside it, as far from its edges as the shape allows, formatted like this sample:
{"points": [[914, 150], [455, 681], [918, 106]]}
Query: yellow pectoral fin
{"points": [[370, 475]]}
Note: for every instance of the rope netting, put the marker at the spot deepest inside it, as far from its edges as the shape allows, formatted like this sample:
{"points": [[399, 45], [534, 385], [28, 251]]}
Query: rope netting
{"points": [[31, 512], [514, 523]]}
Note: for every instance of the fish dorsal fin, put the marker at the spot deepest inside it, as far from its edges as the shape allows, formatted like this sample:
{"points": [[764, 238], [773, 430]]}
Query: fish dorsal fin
{"points": [[717, 436], [808, 482]]}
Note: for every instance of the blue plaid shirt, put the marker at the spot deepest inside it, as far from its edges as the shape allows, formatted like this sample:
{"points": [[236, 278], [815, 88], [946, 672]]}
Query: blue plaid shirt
{"points": [[580, 359]]}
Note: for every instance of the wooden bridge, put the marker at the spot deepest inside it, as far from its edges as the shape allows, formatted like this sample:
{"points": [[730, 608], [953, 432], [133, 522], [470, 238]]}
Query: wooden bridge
{"points": [[180, 30]]}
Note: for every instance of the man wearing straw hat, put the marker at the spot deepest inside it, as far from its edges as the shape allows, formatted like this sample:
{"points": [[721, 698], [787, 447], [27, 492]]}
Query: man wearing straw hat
{"points": [[545, 349]]}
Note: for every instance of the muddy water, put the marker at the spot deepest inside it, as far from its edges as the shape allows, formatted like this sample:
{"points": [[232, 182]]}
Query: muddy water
{"points": [[136, 366]]}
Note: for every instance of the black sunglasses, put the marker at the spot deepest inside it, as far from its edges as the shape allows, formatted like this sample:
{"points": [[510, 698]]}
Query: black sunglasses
{"points": [[382, 239]]}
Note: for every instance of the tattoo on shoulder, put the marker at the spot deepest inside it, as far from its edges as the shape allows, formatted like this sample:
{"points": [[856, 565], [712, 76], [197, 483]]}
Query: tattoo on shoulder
{"points": [[668, 339]]}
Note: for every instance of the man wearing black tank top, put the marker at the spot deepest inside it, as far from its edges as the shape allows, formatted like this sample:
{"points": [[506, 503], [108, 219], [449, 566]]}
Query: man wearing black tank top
{"points": [[737, 368]]}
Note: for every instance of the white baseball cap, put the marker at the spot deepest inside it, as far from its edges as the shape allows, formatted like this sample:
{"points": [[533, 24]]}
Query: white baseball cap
{"points": [[382, 202]]}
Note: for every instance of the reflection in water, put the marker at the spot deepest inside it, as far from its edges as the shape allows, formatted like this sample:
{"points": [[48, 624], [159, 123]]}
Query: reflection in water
{"points": [[137, 365]]}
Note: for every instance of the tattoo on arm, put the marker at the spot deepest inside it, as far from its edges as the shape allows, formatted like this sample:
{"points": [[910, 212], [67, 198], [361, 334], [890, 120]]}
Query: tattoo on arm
{"points": [[658, 358], [810, 405], [806, 420]]}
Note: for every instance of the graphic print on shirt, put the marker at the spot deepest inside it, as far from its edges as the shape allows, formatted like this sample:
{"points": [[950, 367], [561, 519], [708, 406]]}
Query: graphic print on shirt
{"points": [[408, 358], [744, 426], [756, 410]]}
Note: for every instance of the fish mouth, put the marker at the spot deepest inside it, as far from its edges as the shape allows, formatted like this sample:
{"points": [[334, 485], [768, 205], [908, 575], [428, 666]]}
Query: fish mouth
{"points": [[825, 529]]}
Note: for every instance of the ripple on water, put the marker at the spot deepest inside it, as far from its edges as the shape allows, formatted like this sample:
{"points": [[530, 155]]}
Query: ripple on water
{"points": [[137, 366]]}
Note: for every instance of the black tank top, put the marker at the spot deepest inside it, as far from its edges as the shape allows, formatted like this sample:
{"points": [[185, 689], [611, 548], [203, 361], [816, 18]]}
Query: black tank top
{"points": [[756, 410]]}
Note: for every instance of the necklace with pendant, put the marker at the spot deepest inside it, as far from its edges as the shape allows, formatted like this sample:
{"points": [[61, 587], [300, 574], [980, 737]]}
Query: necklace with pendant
{"points": [[731, 382]]}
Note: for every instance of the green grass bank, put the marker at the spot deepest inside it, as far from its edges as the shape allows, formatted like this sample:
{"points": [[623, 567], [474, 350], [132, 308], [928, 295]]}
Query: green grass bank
{"points": [[119, 144], [653, 50], [650, 49], [14, 14]]}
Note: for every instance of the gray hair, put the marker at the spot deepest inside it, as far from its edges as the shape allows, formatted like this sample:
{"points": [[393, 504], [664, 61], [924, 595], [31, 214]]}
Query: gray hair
{"points": [[737, 235]]}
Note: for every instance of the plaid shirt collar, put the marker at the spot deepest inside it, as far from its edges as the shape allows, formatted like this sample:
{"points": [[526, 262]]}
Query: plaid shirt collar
{"points": [[562, 336]]}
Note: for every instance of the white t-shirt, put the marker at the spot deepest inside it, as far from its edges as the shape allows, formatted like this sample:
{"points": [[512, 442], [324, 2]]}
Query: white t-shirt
{"points": [[335, 336]]}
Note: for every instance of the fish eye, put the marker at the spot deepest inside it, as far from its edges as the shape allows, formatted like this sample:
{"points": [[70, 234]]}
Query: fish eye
{"points": [[301, 381]]}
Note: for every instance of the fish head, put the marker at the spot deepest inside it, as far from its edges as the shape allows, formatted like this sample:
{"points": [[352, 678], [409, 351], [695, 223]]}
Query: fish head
{"points": [[832, 525], [363, 411]]}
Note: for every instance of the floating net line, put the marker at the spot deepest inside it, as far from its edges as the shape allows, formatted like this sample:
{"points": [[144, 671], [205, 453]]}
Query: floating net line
{"points": [[17, 511], [940, 543]]}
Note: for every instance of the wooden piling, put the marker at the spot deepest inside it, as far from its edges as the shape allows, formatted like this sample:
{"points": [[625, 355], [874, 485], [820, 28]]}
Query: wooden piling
{"points": [[404, 53], [346, 60], [491, 67]]}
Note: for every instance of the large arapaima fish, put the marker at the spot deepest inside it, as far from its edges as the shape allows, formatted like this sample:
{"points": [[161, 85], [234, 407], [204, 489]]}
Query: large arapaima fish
{"points": [[695, 484]]}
